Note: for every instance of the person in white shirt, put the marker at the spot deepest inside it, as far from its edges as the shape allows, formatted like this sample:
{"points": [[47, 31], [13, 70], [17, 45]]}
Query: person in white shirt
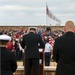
{"points": [[48, 53], [21, 49]]}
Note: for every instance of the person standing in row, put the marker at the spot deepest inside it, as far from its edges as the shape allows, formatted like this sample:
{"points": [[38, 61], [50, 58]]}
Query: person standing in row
{"points": [[48, 52], [30, 42], [7, 58], [64, 51]]}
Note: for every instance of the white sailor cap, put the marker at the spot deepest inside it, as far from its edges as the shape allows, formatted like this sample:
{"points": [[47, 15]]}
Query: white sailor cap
{"points": [[5, 37], [32, 28]]}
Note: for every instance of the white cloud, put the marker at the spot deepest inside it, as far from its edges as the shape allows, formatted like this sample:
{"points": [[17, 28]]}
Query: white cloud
{"points": [[33, 12], [11, 7], [16, 7], [40, 14]]}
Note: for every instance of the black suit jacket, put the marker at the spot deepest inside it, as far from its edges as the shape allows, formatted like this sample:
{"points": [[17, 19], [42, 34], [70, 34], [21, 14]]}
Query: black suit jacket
{"points": [[31, 41], [64, 54], [8, 62]]}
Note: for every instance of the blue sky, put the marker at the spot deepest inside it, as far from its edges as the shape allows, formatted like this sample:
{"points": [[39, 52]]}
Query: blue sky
{"points": [[33, 12]]}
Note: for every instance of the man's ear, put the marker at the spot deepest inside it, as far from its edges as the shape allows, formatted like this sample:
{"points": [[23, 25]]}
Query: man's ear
{"points": [[74, 29], [64, 29]]}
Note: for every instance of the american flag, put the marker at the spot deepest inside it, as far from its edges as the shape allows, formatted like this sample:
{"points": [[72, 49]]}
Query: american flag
{"points": [[51, 41], [50, 15], [47, 10]]}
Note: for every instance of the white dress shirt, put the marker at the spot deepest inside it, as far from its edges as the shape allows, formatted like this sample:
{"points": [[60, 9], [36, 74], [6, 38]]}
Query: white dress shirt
{"points": [[48, 47]]}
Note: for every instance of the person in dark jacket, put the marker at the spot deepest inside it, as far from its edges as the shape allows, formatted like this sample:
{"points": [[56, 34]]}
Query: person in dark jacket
{"points": [[30, 42], [7, 58], [64, 51]]}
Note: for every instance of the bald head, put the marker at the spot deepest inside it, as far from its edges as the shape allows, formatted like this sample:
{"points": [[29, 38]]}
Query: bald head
{"points": [[69, 26]]}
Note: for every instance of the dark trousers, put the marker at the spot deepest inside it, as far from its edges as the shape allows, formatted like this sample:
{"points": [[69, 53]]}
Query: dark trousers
{"points": [[23, 56], [47, 58], [18, 54], [32, 63]]}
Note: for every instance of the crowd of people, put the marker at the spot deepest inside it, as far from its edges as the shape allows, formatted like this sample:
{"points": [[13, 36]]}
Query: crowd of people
{"points": [[57, 45], [17, 35]]}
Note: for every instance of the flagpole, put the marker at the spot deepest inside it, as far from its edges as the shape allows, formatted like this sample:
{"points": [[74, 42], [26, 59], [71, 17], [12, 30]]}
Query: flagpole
{"points": [[46, 13]]}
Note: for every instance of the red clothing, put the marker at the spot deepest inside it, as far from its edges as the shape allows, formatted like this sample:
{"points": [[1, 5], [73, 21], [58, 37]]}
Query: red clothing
{"points": [[10, 46], [16, 36], [51, 41]]}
